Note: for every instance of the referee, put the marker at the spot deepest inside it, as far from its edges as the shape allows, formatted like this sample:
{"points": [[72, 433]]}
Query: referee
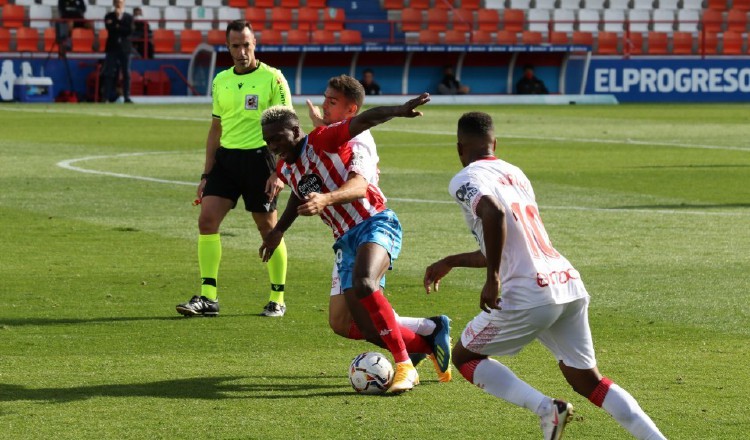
{"points": [[239, 164]]}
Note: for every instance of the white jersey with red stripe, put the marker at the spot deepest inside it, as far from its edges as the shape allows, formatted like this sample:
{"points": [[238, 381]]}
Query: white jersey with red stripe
{"points": [[324, 164], [532, 272]]}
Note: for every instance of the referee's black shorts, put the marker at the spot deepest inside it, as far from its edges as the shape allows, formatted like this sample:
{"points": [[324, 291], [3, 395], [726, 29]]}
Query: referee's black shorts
{"points": [[242, 173]]}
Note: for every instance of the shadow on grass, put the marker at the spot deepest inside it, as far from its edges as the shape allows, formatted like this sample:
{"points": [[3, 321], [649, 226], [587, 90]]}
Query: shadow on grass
{"points": [[204, 388]]}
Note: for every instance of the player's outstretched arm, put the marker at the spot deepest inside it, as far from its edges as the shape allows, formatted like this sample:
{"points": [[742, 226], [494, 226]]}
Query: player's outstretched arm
{"points": [[437, 270], [354, 188], [272, 240], [492, 214], [379, 115]]}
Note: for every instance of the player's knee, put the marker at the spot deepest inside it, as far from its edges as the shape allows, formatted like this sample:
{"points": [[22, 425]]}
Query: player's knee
{"points": [[365, 286], [208, 224], [340, 328]]}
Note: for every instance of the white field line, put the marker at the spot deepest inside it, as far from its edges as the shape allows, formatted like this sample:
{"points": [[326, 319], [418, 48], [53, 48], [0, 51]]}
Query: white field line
{"points": [[68, 165], [400, 130]]}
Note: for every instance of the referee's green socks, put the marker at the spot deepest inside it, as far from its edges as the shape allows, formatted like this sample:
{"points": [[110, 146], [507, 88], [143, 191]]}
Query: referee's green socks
{"points": [[277, 273], [209, 257]]}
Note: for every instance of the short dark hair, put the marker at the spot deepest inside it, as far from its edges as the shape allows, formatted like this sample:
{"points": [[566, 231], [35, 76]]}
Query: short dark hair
{"points": [[366, 71], [350, 87], [476, 124], [238, 26]]}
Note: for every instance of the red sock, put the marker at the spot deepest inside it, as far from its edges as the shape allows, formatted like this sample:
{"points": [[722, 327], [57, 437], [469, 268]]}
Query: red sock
{"points": [[415, 343], [600, 392], [382, 316], [354, 332], [467, 369]]}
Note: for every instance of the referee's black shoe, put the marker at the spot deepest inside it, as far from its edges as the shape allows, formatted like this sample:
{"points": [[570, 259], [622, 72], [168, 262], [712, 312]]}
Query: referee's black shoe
{"points": [[199, 306]]}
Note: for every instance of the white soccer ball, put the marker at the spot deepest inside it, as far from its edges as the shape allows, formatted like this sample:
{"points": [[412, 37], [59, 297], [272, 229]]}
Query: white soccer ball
{"points": [[371, 373]]}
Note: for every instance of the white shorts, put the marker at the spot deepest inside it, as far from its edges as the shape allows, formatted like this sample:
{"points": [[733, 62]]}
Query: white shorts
{"points": [[335, 281], [562, 328]]}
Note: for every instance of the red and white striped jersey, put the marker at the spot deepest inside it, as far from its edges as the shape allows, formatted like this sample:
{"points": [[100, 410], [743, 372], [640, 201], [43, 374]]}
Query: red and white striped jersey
{"points": [[323, 166]]}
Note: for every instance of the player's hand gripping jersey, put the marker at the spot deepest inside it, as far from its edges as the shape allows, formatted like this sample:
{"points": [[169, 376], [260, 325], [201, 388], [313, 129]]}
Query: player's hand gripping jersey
{"points": [[323, 166], [532, 272]]}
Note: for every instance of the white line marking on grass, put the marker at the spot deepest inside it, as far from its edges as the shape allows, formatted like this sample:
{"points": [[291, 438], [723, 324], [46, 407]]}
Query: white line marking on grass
{"points": [[399, 130], [68, 165]]}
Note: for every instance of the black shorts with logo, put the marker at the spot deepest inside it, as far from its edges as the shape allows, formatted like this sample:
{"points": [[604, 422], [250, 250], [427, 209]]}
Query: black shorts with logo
{"points": [[242, 173]]}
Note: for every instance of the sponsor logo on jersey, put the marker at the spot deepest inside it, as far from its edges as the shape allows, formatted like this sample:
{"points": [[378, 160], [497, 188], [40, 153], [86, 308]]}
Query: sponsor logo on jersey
{"points": [[310, 183], [251, 102], [465, 193], [239, 85]]}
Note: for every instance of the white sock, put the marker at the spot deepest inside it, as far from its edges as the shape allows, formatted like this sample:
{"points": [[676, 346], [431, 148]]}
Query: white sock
{"points": [[420, 326], [497, 379], [624, 408]]}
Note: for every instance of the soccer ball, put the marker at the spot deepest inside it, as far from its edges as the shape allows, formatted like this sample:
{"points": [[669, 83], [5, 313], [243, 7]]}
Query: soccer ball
{"points": [[370, 373]]}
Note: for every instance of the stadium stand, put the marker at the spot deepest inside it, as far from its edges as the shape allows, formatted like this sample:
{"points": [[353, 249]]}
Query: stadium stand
{"points": [[226, 15], [657, 43], [50, 39], [40, 16], [682, 43], [164, 41], [27, 39], [538, 20], [281, 18], [13, 16], [437, 19], [471, 4], [4, 39], [257, 18], [323, 36], [455, 37], [481, 37], [558, 38], [216, 37], [296, 36], [732, 43], [737, 21], [270, 36], [462, 20], [607, 43], [531, 37], [514, 20], [563, 20], [289, 3], [175, 18], [488, 20], [507, 37], [101, 38], [333, 19], [263, 3], [583, 38], [419, 4], [633, 43], [709, 43], [202, 18], [741, 5], [350, 36], [189, 40], [428, 36], [411, 20], [308, 18], [82, 40]]}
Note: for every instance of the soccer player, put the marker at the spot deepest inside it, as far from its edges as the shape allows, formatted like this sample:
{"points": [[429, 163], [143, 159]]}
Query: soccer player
{"points": [[344, 97], [542, 295], [326, 180], [239, 164]]}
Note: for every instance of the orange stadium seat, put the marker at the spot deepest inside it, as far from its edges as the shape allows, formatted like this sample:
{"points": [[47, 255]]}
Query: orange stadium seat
{"points": [[5, 39], [411, 20], [217, 37], [318, 4], [719, 5], [102, 35], [308, 18], [50, 39], [682, 43], [289, 3], [83, 40], [322, 36], [296, 36], [558, 37], [481, 37], [27, 40], [708, 42], [429, 36], [455, 37], [349, 36], [333, 19], [732, 43], [741, 5], [633, 43], [189, 40], [164, 40], [657, 43], [256, 17], [281, 18], [270, 36], [737, 20], [531, 37], [264, 3], [583, 38], [444, 4], [462, 20], [712, 20], [420, 4], [471, 4], [393, 4], [507, 37], [437, 19], [607, 43], [13, 16], [488, 19], [513, 20], [242, 4]]}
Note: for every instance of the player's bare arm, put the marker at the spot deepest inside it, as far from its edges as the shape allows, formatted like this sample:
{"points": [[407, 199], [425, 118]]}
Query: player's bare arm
{"points": [[492, 213], [314, 112], [439, 269], [212, 144], [354, 188], [379, 115], [272, 240], [274, 185]]}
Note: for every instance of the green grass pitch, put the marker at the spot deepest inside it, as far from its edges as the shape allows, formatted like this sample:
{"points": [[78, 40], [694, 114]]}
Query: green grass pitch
{"points": [[650, 203]]}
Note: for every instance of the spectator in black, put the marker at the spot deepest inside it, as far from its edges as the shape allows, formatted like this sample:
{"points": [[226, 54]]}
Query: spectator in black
{"points": [[368, 82], [119, 25], [141, 34], [73, 11], [530, 84], [450, 85]]}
